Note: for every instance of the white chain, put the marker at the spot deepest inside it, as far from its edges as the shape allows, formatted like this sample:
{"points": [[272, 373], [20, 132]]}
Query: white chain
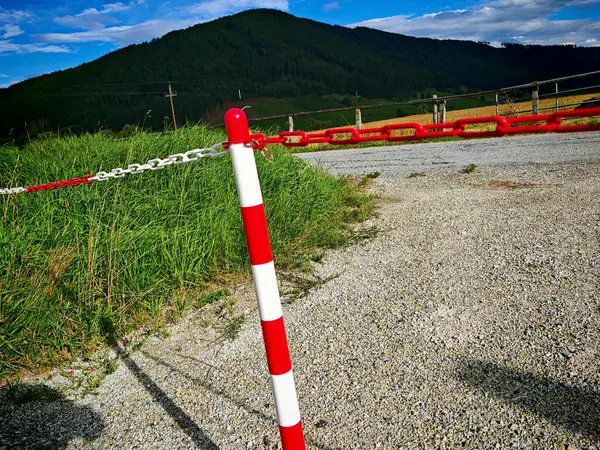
{"points": [[153, 164], [159, 164], [8, 191]]}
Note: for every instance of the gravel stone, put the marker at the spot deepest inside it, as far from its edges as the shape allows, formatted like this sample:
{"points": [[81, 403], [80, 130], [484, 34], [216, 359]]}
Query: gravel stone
{"points": [[470, 320]]}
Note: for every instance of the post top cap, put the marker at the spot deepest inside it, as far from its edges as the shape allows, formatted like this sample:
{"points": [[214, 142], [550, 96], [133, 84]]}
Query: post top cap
{"points": [[236, 124]]}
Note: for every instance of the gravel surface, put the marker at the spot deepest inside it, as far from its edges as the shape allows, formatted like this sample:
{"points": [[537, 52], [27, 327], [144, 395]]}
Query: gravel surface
{"points": [[403, 159], [470, 321]]}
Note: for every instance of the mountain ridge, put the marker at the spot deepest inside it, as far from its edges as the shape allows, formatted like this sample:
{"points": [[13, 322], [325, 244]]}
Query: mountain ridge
{"points": [[269, 54]]}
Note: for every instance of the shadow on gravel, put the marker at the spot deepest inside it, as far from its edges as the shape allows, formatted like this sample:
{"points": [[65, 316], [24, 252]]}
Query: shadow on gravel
{"points": [[185, 422], [36, 416], [240, 404], [571, 407]]}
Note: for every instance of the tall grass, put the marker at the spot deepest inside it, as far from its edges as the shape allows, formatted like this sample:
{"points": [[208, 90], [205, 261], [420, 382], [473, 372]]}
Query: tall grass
{"points": [[79, 266]]}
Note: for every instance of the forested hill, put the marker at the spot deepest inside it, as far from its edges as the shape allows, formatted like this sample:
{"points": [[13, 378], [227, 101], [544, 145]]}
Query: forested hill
{"points": [[268, 54]]}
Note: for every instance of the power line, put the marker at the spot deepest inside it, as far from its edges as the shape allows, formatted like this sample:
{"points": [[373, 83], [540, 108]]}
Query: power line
{"points": [[102, 84]]}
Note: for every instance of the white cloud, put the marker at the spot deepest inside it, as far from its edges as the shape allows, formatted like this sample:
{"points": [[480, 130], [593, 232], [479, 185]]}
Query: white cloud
{"points": [[11, 30], [331, 6], [217, 8], [10, 47], [115, 7], [524, 21], [95, 22], [121, 35], [13, 16], [3, 75], [591, 43], [92, 18]]}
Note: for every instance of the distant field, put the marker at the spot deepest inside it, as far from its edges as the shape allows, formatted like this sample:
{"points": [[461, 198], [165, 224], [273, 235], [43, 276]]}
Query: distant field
{"points": [[485, 111]]}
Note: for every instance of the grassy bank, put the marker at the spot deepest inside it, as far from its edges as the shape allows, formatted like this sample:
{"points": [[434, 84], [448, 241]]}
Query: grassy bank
{"points": [[82, 265]]}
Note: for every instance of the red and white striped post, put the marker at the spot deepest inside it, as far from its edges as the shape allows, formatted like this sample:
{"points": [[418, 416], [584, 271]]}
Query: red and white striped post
{"points": [[265, 280]]}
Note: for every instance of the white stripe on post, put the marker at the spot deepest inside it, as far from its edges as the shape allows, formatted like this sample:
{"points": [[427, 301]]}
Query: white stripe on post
{"points": [[288, 412], [265, 285], [246, 180], [265, 281]]}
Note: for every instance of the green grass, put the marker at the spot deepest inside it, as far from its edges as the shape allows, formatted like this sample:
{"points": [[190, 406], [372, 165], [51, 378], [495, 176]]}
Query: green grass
{"points": [[81, 266]]}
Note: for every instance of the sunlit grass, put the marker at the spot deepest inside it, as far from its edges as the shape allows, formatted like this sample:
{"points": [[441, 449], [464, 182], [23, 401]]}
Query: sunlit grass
{"points": [[80, 266]]}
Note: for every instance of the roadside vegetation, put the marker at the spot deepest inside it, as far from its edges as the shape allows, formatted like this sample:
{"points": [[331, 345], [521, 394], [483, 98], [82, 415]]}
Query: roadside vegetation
{"points": [[80, 267]]}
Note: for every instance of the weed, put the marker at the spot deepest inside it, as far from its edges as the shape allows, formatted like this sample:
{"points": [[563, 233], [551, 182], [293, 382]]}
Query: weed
{"points": [[301, 285], [471, 168], [416, 175], [228, 306], [366, 179], [138, 345], [232, 327], [211, 297]]}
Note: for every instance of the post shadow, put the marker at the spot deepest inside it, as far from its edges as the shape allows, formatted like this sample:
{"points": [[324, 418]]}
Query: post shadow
{"points": [[229, 397], [200, 438], [577, 409], [41, 418]]}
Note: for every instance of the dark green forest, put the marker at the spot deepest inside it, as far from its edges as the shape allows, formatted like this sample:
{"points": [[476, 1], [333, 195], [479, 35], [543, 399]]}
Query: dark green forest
{"points": [[268, 54]]}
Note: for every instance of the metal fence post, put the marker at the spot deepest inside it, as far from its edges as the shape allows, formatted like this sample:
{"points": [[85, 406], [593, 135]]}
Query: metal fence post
{"points": [[535, 99], [435, 109], [290, 123], [358, 117], [265, 281], [556, 90]]}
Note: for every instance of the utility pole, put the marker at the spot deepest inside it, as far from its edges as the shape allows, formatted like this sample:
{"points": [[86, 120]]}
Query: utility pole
{"points": [[172, 94]]}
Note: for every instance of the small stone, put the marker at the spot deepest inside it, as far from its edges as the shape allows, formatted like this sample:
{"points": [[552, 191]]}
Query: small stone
{"points": [[321, 424]]}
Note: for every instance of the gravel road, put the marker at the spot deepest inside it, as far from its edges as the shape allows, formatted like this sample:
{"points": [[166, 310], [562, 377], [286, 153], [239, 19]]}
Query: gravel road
{"points": [[403, 159], [471, 320]]}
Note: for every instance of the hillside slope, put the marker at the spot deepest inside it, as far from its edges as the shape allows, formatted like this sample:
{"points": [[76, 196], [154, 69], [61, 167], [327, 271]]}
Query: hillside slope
{"points": [[268, 53]]}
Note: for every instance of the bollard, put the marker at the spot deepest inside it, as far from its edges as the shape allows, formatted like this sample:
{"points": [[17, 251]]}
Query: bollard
{"points": [[265, 281]]}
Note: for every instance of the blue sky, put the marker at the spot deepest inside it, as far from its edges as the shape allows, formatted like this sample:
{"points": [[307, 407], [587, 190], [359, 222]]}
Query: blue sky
{"points": [[43, 36]]}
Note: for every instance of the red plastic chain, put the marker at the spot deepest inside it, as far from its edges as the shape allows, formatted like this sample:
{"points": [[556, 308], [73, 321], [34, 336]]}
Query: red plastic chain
{"points": [[544, 123], [60, 184]]}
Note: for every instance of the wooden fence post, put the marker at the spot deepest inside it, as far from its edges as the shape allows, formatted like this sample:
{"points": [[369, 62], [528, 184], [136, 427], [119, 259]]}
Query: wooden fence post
{"points": [[556, 90], [435, 110], [535, 99], [443, 105], [497, 106], [358, 116], [290, 123]]}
